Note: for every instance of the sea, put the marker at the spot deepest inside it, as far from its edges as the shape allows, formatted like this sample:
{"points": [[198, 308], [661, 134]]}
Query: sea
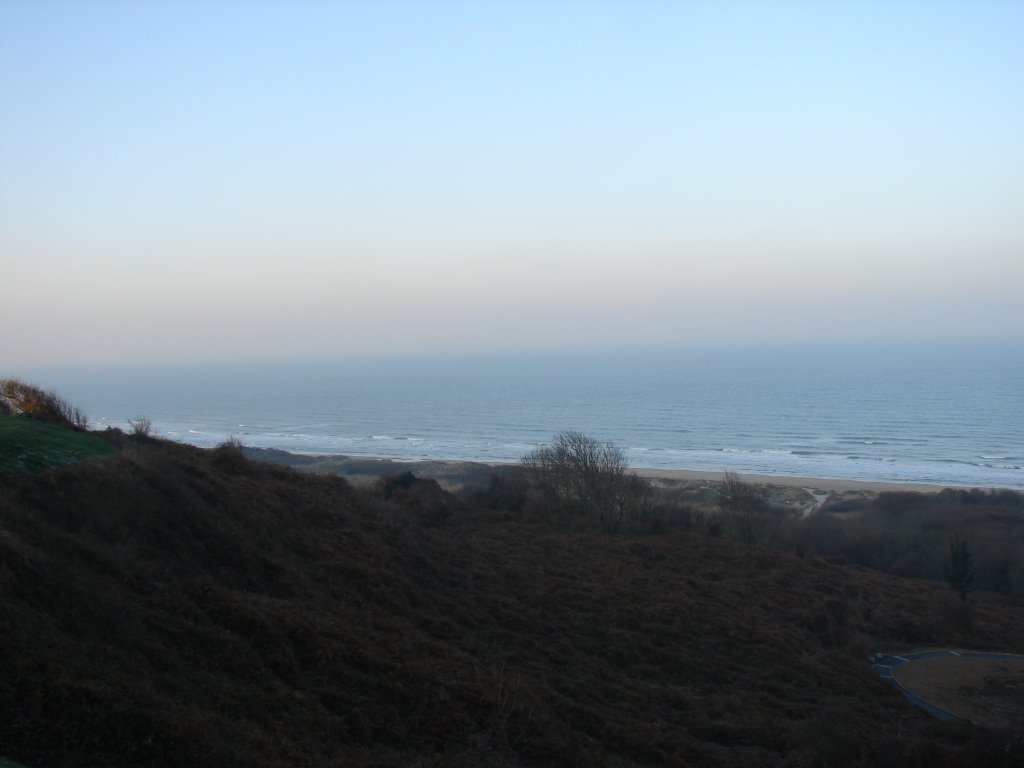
{"points": [[947, 413]]}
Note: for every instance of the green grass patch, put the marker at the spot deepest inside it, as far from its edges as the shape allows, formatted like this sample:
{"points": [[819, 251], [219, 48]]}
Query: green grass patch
{"points": [[28, 445]]}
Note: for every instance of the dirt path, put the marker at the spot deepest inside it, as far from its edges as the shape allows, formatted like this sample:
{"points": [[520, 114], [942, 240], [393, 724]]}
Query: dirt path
{"points": [[820, 497]]}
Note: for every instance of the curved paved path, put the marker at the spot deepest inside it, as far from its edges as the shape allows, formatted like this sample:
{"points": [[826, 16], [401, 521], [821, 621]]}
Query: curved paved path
{"points": [[884, 663]]}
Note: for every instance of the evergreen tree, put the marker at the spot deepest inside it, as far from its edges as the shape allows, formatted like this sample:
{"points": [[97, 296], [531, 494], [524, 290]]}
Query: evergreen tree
{"points": [[959, 569]]}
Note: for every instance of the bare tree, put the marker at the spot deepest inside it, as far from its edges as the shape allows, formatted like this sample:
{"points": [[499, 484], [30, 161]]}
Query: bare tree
{"points": [[592, 475], [141, 425], [744, 508], [29, 400]]}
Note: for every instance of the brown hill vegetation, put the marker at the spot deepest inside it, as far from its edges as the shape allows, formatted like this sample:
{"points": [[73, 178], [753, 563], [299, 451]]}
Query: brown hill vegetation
{"points": [[909, 534], [166, 605]]}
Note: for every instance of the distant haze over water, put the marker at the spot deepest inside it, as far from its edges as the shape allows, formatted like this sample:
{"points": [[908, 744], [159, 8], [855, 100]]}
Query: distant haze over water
{"points": [[930, 413]]}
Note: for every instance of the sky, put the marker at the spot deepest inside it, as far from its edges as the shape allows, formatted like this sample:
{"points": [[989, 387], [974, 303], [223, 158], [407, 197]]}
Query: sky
{"points": [[270, 180]]}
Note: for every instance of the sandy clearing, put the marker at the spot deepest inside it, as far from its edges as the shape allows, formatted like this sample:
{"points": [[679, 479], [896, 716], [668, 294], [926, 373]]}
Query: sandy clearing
{"points": [[988, 692]]}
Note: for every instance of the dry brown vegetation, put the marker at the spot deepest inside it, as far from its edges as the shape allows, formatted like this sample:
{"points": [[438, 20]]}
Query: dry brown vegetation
{"points": [[19, 397], [167, 605], [909, 534]]}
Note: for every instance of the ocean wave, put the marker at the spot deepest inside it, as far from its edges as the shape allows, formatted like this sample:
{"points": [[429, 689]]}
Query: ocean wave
{"points": [[770, 461], [880, 439]]}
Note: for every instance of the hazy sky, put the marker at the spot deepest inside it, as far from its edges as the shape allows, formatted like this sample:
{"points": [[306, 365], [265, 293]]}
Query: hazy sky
{"points": [[259, 179]]}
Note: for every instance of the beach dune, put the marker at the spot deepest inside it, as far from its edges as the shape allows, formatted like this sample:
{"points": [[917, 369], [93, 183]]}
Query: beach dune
{"points": [[816, 483]]}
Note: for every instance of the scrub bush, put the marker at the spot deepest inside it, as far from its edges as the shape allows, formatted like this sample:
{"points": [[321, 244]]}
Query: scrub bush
{"points": [[19, 397]]}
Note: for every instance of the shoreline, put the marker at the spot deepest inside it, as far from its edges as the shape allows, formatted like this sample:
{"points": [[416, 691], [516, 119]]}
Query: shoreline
{"points": [[796, 481], [376, 465]]}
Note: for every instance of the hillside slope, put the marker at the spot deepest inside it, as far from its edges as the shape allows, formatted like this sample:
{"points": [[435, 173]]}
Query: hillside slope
{"points": [[28, 445], [166, 605]]}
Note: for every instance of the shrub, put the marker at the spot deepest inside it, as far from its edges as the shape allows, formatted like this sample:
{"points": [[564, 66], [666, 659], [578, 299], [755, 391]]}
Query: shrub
{"points": [[592, 476], [744, 508], [503, 493], [228, 456], [675, 515], [998, 497], [897, 502], [426, 498], [141, 425], [233, 443], [29, 400], [959, 569], [915, 541]]}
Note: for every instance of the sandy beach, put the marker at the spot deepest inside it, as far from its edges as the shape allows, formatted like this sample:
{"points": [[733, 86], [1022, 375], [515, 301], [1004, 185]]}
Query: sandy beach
{"points": [[816, 483], [367, 468]]}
